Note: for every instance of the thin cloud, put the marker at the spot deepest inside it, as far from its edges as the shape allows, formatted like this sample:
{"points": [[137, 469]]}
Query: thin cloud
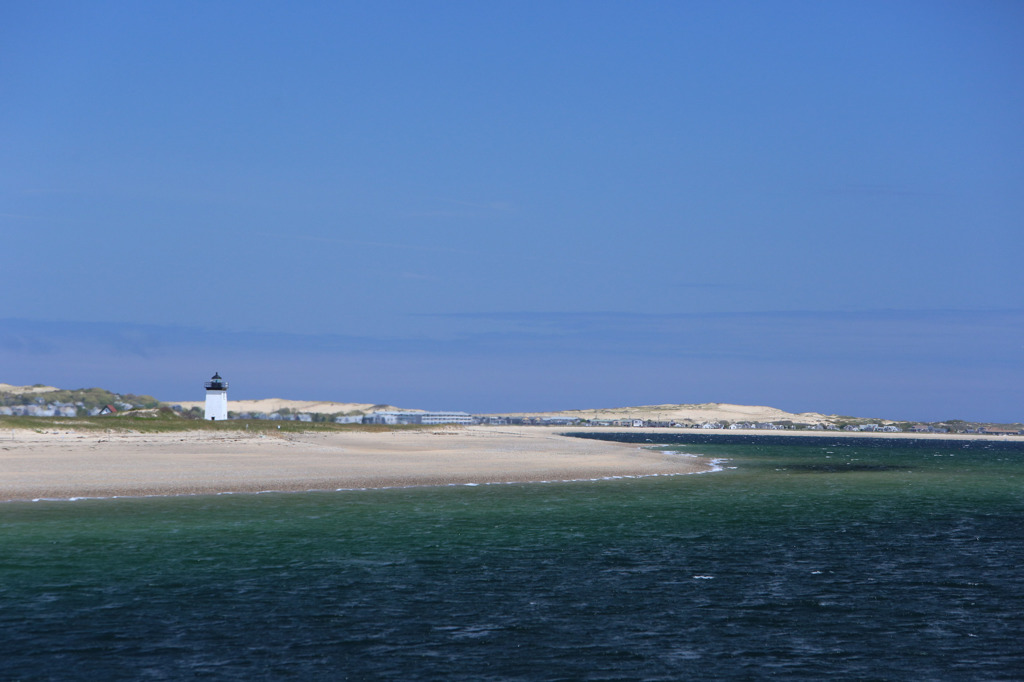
{"points": [[412, 247], [369, 244], [878, 189], [500, 206], [477, 209]]}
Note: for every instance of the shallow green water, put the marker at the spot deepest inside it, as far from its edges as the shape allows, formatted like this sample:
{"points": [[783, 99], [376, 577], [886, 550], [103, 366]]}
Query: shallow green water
{"points": [[809, 559]]}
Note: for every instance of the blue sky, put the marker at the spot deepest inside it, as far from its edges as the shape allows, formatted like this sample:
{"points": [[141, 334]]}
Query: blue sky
{"points": [[513, 206]]}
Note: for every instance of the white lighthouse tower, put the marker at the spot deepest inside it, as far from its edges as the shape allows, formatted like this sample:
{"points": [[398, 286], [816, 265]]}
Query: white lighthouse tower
{"points": [[216, 398]]}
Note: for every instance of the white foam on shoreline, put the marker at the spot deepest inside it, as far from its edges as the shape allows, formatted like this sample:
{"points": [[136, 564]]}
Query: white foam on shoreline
{"points": [[615, 477], [716, 463]]}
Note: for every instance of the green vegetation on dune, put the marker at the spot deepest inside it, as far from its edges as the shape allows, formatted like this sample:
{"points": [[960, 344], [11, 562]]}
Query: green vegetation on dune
{"points": [[87, 398]]}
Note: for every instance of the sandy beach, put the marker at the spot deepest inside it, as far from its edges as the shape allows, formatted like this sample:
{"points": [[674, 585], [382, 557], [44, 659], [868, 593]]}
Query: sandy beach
{"points": [[64, 464]]}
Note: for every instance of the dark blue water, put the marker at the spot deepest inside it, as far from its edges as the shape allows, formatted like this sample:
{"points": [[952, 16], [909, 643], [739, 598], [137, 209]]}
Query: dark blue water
{"points": [[852, 559]]}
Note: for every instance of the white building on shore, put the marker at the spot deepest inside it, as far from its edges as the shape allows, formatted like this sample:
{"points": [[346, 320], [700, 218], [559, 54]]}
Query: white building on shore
{"points": [[408, 417], [216, 398]]}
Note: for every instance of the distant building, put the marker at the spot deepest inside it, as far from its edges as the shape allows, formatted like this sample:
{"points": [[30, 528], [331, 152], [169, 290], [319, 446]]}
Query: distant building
{"points": [[405, 417], [391, 417], [998, 431], [446, 418], [559, 421]]}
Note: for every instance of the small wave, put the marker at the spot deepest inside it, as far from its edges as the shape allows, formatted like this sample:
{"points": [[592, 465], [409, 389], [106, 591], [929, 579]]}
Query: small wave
{"points": [[717, 463]]}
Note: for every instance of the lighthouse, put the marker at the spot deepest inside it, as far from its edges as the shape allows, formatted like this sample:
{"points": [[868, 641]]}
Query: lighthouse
{"points": [[216, 398]]}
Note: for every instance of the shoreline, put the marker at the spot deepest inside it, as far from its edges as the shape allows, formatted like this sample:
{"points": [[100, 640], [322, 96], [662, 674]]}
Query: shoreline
{"points": [[714, 465], [781, 433], [68, 465], [56, 464]]}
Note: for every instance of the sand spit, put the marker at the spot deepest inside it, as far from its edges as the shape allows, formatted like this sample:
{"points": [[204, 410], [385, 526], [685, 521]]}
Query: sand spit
{"points": [[67, 464]]}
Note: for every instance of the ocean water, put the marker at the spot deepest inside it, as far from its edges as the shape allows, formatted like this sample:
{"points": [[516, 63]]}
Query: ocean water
{"points": [[801, 560]]}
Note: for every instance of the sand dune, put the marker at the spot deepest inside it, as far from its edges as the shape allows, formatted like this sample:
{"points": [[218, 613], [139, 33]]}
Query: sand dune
{"points": [[8, 388], [269, 405], [693, 413], [683, 413]]}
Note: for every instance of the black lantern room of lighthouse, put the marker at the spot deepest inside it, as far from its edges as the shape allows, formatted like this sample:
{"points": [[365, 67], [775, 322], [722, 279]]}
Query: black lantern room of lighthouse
{"points": [[216, 383]]}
